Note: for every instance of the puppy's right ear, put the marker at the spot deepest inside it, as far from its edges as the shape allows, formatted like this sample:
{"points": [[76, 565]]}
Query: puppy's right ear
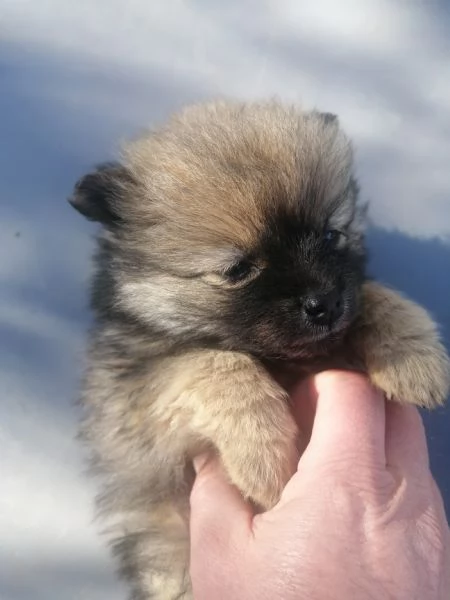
{"points": [[329, 118], [98, 195]]}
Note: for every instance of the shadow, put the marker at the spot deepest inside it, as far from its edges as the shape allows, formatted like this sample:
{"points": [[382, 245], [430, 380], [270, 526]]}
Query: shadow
{"points": [[69, 578], [421, 270]]}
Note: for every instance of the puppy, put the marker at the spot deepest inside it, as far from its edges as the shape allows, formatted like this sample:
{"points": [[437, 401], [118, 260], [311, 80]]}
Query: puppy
{"points": [[231, 251]]}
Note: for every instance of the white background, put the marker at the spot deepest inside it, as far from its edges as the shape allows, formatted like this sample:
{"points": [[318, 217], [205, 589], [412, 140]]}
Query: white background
{"points": [[75, 78]]}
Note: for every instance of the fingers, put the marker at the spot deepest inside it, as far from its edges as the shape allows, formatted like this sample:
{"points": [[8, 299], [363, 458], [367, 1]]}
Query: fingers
{"points": [[406, 444], [349, 422], [219, 515], [347, 418]]}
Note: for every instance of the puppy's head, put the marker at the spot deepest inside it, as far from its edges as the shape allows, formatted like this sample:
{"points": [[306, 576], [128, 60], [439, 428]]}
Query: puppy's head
{"points": [[235, 224]]}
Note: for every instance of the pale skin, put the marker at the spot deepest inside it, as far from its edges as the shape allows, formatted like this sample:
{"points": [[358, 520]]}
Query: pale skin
{"points": [[361, 518]]}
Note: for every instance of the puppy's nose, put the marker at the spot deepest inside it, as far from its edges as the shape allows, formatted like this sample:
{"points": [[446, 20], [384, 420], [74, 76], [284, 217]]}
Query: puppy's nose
{"points": [[323, 309]]}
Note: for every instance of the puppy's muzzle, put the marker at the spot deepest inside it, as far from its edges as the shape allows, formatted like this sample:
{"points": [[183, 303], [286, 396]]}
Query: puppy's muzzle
{"points": [[323, 309]]}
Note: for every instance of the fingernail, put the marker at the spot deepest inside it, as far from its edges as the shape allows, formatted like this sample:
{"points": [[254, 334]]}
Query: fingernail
{"points": [[199, 462]]}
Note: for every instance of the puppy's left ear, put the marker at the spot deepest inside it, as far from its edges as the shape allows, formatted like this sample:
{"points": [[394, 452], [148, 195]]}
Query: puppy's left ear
{"points": [[98, 195]]}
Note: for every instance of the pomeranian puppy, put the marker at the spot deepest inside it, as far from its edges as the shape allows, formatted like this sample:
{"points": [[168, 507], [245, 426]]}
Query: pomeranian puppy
{"points": [[231, 251]]}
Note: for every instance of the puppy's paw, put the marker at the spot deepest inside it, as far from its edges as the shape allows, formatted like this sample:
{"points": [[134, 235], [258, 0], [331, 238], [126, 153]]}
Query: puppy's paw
{"points": [[261, 454], [417, 379], [403, 353]]}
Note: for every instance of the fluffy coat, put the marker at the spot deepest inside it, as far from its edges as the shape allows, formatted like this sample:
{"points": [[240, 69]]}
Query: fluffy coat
{"points": [[230, 261]]}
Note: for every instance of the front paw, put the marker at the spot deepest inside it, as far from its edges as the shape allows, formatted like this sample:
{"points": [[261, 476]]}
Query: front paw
{"points": [[403, 352], [261, 454], [418, 375]]}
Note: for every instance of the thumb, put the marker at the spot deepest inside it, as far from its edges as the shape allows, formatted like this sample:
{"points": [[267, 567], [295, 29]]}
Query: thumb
{"points": [[219, 514]]}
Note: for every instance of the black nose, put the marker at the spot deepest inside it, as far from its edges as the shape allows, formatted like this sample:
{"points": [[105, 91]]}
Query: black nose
{"points": [[323, 309]]}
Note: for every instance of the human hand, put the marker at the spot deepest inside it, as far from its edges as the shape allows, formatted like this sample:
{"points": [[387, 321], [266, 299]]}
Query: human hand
{"points": [[361, 518]]}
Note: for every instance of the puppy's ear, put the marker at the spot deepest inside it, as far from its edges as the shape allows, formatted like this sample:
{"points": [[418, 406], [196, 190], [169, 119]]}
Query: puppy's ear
{"points": [[98, 195], [329, 118]]}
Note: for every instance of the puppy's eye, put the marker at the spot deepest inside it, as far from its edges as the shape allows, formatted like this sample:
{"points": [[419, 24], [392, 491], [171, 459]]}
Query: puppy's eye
{"points": [[236, 275], [333, 237], [239, 272]]}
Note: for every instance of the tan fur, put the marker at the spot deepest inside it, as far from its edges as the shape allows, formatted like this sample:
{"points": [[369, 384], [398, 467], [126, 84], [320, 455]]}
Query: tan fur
{"points": [[170, 373], [400, 347], [221, 164]]}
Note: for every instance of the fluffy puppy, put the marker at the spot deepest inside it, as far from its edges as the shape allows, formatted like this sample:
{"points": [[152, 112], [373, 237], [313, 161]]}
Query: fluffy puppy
{"points": [[231, 249]]}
